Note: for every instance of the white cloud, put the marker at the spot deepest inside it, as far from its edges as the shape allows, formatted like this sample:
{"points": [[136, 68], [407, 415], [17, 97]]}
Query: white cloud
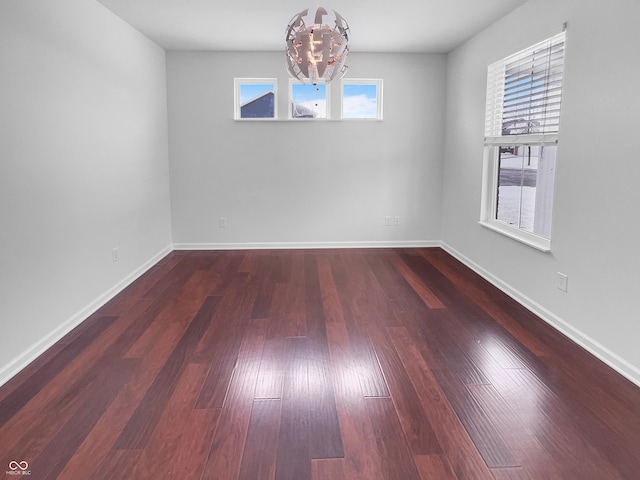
{"points": [[359, 106]]}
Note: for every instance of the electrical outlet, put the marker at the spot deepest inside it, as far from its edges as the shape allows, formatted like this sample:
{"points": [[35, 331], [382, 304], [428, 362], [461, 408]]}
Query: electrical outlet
{"points": [[387, 221], [115, 255], [222, 222], [396, 221], [563, 281]]}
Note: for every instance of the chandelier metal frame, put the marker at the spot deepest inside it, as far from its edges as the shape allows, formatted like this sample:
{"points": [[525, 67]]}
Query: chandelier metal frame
{"points": [[317, 45]]}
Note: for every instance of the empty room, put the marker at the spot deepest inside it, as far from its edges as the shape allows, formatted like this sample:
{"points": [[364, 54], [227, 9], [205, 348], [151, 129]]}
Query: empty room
{"points": [[361, 240]]}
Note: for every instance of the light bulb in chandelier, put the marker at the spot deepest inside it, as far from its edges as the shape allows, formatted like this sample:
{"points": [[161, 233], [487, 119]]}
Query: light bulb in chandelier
{"points": [[317, 45]]}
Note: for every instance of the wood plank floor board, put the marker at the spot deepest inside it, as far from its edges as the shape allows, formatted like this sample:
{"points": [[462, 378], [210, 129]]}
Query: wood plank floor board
{"points": [[20, 396], [288, 317], [325, 440], [116, 464], [98, 444], [222, 274], [330, 298], [314, 311], [487, 437], [29, 437], [230, 318], [68, 390], [461, 303], [413, 417], [393, 450], [157, 459], [53, 458], [222, 352], [457, 353], [270, 379], [504, 351], [531, 400], [367, 366], [354, 364], [328, 469], [223, 461], [370, 304], [609, 400], [293, 461], [180, 310], [426, 295], [393, 282], [141, 425], [519, 431], [457, 445], [434, 467], [517, 473], [495, 303], [565, 428], [479, 347], [287, 310], [201, 426], [360, 456], [456, 300], [470, 374], [265, 272], [433, 324], [179, 274], [259, 456]]}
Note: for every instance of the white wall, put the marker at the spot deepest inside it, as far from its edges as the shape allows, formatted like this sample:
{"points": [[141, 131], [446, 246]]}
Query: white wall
{"points": [[304, 182], [83, 166], [595, 219]]}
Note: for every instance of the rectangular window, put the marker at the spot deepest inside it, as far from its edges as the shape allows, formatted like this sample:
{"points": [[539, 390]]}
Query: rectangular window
{"points": [[362, 99], [307, 100], [255, 98], [522, 124], [521, 186]]}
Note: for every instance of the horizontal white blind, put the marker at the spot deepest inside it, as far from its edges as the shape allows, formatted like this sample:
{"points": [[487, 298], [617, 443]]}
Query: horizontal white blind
{"points": [[524, 91]]}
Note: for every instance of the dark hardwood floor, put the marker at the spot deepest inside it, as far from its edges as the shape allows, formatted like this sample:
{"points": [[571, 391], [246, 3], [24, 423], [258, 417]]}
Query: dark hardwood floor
{"points": [[318, 364]]}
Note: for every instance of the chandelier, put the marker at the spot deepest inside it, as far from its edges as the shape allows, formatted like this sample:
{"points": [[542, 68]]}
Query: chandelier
{"points": [[317, 45]]}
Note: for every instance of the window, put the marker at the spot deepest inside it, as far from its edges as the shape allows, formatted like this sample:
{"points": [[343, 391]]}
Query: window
{"points": [[307, 100], [362, 99], [522, 124], [255, 98]]}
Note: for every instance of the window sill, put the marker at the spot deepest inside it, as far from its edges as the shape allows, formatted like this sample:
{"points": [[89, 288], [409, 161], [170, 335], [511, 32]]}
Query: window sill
{"points": [[307, 120], [535, 241]]}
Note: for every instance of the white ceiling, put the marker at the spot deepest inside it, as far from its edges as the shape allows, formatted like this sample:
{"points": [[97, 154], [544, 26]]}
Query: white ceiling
{"points": [[258, 25]]}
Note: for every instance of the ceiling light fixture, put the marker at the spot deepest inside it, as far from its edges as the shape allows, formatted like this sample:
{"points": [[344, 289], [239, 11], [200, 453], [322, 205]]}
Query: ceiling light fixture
{"points": [[317, 45]]}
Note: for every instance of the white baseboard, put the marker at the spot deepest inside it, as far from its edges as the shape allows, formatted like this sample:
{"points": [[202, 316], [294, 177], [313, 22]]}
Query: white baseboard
{"points": [[304, 245], [616, 362], [34, 351]]}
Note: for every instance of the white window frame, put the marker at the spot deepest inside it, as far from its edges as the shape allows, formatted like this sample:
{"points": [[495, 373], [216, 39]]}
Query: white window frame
{"points": [[363, 81], [293, 81], [488, 211], [493, 141], [237, 82]]}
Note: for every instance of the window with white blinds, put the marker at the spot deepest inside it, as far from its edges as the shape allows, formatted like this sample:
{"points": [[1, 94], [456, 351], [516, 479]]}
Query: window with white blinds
{"points": [[522, 124], [524, 93]]}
